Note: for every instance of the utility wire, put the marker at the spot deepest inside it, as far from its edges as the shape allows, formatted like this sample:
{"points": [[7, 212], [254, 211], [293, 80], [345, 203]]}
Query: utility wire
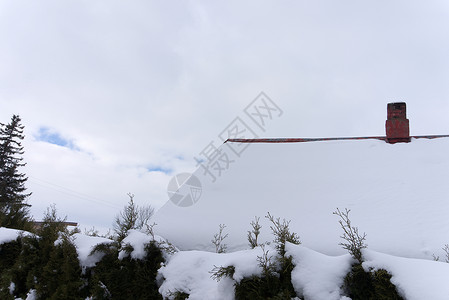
{"points": [[70, 192]]}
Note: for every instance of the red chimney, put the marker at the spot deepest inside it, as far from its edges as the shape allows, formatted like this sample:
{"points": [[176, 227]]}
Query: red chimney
{"points": [[397, 125]]}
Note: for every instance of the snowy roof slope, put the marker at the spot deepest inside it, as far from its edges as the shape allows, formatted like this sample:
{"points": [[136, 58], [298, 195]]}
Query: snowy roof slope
{"points": [[398, 195]]}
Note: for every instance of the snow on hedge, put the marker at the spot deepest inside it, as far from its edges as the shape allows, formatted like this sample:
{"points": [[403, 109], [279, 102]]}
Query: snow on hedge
{"points": [[415, 279], [190, 272], [315, 276], [138, 240], [318, 276], [85, 244], [8, 235]]}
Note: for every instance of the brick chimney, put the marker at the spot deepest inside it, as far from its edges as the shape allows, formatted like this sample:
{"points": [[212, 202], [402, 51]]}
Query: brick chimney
{"points": [[397, 124]]}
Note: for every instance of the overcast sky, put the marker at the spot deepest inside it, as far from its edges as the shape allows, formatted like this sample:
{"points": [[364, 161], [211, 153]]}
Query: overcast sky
{"points": [[119, 96]]}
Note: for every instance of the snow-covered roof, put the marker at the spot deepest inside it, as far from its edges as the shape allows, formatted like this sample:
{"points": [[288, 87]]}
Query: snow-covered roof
{"points": [[397, 193]]}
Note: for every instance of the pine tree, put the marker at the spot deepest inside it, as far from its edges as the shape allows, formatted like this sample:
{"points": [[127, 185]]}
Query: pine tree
{"points": [[14, 211], [126, 220], [61, 277], [132, 217]]}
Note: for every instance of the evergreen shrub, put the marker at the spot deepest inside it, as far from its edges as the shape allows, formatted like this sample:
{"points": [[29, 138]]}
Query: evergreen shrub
{"points": [[275, 280], [374, 285], [127, 278], [358, 283]]}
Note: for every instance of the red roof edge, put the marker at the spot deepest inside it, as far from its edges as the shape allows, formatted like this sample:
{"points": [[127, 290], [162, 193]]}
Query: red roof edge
{"points": [[303, 140]]}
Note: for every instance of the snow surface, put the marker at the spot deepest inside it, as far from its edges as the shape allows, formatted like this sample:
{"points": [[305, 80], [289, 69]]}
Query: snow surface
{"points": [[31, 295], [397, 193], [415, 279], [85, 244], [190, 272], [318, 276], [138, 240], [8, 235]]}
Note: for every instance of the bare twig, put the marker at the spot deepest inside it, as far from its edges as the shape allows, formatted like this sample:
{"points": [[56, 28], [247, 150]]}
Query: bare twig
{"points": [[218, 239], [254, 233], [355, 242]]}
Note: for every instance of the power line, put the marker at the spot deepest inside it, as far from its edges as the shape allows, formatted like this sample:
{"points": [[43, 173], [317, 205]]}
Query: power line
{"points": [[70, 192]]}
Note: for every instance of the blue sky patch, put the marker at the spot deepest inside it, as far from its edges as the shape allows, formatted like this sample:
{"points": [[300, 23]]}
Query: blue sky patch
{"points": [[52, 137], [159, 169]]}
